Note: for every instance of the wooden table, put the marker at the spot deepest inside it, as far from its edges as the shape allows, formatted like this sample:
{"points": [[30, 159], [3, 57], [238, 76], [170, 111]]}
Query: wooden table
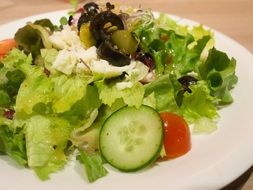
{"points": [[232, 17]]}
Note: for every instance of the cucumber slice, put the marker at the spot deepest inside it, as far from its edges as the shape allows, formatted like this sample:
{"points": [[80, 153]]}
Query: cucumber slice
{"points": [[131, 138]]}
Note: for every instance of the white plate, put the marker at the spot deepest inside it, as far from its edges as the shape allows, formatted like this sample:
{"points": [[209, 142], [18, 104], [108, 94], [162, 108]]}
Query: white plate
{"points": [[214, 161]]}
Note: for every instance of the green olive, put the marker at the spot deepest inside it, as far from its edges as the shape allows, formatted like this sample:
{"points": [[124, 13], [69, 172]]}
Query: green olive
{"points": [[85, 35], [125, 41]]}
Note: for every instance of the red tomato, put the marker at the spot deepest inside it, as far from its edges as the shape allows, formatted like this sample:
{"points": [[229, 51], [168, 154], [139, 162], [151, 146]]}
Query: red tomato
{"points": [[6, 46], [177, 138]]}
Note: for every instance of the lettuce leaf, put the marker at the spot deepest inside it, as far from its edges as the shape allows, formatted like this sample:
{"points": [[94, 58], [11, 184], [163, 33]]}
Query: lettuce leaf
{"points": [[12, 141], [67, 91], [29, 40], [219, 71], [167, 23], [62, 91], [45, 23], [82, 115], [199, 103], [4, 98], [11, 76], [93, 165], [164, 92], [19, 60], [204, 125], [82, 109], [125, 86], [48, 57], [34, 36], [46, 141], [185, 60], [109, 93], [36, 88]]}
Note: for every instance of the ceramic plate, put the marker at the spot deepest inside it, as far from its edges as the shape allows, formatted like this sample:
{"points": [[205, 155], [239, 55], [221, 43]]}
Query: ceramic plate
{"points": [[214, 161]]}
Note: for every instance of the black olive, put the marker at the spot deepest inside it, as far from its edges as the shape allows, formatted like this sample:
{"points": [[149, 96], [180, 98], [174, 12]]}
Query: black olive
{"points": [[114, 57], [187, 80], [91, 8], [101, 24]]}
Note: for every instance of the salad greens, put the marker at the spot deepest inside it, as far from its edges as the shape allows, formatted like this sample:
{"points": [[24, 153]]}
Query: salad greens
{"points": [[93, 165], [50, 112]]}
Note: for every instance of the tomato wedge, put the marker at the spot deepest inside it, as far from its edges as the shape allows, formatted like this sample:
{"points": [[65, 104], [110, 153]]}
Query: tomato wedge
{"points": [[177, 138], [6, 46]]}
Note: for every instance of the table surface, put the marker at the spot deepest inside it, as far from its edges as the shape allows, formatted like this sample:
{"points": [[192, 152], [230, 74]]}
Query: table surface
{"points": [[231, 17]]}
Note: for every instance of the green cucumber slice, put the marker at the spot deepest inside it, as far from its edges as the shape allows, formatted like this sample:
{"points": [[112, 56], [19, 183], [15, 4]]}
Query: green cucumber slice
{"points": [[131, 138]]}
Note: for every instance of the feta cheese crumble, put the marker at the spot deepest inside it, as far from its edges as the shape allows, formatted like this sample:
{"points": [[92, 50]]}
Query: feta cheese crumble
{"points": [[65, 39]]}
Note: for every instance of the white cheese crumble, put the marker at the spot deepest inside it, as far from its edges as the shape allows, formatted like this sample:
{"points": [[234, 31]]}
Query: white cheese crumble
{"points": [[87, 55], [65, 38], [124, 85], [65, 62], [103, 67]]}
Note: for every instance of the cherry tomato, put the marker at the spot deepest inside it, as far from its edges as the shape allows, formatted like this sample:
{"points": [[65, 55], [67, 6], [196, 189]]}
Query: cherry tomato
{"points": [[177, 138], [6, 46]]}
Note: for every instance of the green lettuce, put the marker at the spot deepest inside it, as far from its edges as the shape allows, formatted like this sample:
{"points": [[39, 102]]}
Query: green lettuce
{"points": [[167, 23], [19, 60], [63, 91], [125, 86], [36, 88], [29, 40], [11, 77], [93, 165], [172, 52], [82, 108], [199, 104], [4, 98], [109, 93], [82, 115], [46, 141], [34, 36], [45, 23], [204, 125], [67, 91], [164, 94], [12, 141], [48, 57], [219, 71], [185, 60]]}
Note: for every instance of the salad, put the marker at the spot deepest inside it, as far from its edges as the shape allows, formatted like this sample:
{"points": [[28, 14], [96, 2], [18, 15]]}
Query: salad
{"points": [[109, 85]]}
